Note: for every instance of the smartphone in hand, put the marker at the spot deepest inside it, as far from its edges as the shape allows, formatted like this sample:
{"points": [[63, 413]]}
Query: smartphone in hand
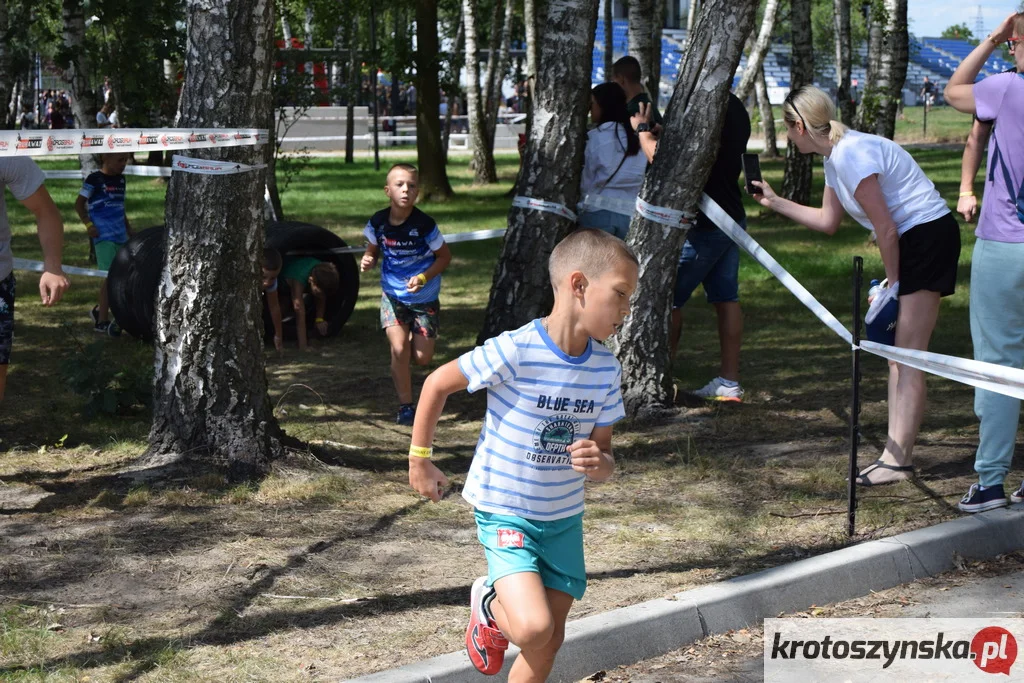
{"points": [[751, 171]]}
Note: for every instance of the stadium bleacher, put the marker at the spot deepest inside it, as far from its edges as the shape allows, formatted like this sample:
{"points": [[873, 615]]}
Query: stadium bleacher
{"points": [[935, 58]]}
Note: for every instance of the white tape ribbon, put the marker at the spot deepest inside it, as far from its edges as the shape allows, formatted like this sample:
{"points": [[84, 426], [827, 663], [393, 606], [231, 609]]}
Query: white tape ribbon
{"points": [[664, 215], [541, 205], [472, 236], [730, 227], [106, 140], [210, 166], [37, 266]]}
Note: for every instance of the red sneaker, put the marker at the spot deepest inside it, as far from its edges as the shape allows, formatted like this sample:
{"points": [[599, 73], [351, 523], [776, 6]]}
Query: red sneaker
{"points": [[484, 642]]}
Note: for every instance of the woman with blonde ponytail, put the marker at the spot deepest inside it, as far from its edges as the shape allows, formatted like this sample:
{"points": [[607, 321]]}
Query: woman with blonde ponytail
{"points": [[881, 186]]}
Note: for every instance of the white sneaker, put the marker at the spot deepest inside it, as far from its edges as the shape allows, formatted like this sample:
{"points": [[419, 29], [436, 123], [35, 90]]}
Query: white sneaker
{"points": [[716, 391], [1018, 495]]}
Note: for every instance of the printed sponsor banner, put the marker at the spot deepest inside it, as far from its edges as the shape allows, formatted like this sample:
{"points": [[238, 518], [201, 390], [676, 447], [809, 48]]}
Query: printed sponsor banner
{"points": [[854, 650], [664, 215], [43, 143], [210, 166], [542, 205]]}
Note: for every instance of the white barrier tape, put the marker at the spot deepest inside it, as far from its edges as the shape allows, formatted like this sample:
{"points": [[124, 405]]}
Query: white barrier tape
{"points": [[599, 202], [472, 236], [542, 205], [105, 140], [210, 166], [153, 171], [730, 227], [37, 266], [673, 218], [998, 378]]}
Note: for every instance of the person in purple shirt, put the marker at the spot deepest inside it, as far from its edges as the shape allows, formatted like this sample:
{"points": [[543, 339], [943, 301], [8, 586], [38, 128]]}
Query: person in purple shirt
{"points": [[997, 272]]}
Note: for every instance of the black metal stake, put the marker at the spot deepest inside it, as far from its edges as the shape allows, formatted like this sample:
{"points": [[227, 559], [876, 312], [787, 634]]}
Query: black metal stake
{"points": [[851, 492], [373, 87]]}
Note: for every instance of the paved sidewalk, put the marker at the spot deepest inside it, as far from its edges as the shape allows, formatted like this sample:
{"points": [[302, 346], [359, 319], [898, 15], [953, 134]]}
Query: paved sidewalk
{"points": [[631, 634]]}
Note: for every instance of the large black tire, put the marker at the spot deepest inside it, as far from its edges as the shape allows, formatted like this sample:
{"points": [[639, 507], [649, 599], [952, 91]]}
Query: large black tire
{"points": [[133, 279], [292, 238]]}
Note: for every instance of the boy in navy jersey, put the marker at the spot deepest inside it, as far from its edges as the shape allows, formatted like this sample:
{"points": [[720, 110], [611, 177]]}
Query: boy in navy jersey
{"points": [[414, 256], [100, 205], [553, 394]]}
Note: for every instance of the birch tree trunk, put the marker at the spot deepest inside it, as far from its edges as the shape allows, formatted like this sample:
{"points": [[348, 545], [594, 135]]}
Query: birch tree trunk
{"points": [[691, 16], [6, 72], [496, 79], [483, 156], [892, 66], [553, 163], [680, 170], [844, 60], [609, 39], [641, 41], [455, 68], [796, 183], [771, 145], [756, 59], [83, 97], [210, 395], [868, 111], [430, 155]]}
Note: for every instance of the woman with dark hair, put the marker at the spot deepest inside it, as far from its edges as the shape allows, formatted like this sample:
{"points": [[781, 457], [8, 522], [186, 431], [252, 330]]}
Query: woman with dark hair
{"points": [[613, 168]]}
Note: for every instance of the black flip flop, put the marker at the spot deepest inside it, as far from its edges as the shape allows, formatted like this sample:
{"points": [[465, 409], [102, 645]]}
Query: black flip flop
{"points": [[862, 479]]}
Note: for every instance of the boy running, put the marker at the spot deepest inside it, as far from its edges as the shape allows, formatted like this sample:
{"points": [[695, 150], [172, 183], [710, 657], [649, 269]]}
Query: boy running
{"points": [[552, 398]]}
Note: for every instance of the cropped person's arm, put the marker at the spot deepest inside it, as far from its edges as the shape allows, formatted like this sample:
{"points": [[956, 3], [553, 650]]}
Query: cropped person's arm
{"points": [[869, 196], [424, 476], [967, 203], [826, 219], [959, 91], [296, 288], [52, 283]]}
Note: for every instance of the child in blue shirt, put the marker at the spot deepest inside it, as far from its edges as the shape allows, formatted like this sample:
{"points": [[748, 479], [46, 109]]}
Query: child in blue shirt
{"points": [[100, 205], [413, 255], [553, 394]]}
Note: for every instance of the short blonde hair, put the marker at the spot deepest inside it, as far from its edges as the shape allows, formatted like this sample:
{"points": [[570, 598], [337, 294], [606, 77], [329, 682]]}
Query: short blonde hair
{"points": [[592, 252], [815, 109]]}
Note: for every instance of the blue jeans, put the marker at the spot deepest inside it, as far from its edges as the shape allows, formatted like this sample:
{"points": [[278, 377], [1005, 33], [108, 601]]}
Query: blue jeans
{"points": [[997, 331], [609, 221], [709, 258]]}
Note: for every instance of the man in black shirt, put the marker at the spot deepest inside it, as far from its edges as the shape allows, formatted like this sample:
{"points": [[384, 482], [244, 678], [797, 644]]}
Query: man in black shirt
{"points": [[626, 72], [709, 257]]}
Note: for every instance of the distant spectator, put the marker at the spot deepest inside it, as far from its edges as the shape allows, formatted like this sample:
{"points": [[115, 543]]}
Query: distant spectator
{"points": [[928, 93], [626, 72], [104, 117], [107, 89]]}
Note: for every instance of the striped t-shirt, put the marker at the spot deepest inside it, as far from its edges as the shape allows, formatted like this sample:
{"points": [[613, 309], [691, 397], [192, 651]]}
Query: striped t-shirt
{"points": [[539, 400]]}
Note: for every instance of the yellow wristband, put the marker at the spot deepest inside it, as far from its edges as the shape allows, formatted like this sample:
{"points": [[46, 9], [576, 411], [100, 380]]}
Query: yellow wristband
{"points": [[320, 320], [994, 41], [420, 452], [969, 193], [422, 278], [89, 224]]}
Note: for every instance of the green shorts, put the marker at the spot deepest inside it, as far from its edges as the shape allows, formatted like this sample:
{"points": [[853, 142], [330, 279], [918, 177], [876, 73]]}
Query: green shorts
{"points": [[553, 549], [105, 253]]}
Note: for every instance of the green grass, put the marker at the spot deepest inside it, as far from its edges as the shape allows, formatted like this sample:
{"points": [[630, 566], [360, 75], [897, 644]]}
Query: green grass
{"points": [[944, 124], [717, 492]]}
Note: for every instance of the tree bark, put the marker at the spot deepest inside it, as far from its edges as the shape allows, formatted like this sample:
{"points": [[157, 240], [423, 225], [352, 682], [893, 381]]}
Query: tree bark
{"points": [[532, 44], [771, 145], [455, 67], [210, 395], [83, 97], [609, 40], [642, 28], [430, 155], [490, 72], [844, 60], [756, 59], [796, 183], [483, 157], [552, 166]]}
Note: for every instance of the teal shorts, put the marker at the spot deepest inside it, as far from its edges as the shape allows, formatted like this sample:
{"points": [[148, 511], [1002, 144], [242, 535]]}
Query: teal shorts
{"points": [[552, 549], [105, 253]]}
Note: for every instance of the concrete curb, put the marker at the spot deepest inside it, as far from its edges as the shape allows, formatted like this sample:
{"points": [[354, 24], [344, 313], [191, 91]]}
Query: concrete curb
{"points": [[630, 634]]}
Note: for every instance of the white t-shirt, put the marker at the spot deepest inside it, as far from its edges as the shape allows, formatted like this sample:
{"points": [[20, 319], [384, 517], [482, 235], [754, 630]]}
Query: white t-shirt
{"points": [[605, 148], [539, 400], [912, 198]]}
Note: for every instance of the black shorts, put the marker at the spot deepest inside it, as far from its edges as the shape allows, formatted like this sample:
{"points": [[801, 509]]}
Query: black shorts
{"points": [[6, 318], [928, 257]]}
